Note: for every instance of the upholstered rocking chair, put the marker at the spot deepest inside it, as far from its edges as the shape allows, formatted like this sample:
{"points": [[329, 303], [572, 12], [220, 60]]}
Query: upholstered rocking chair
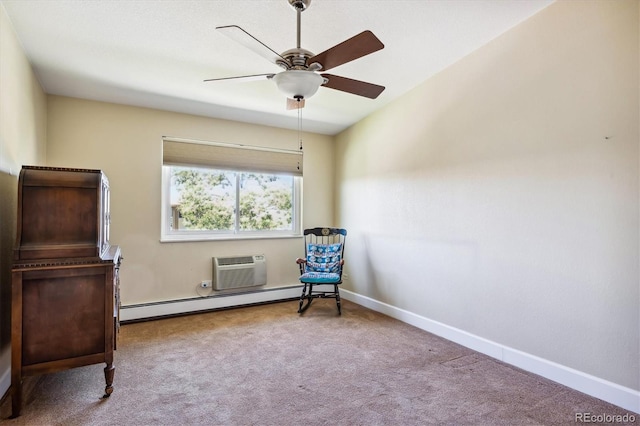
{"points": [[321, 268]]}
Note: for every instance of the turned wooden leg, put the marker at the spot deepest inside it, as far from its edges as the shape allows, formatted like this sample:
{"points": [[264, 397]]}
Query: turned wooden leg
{"points": [[16, 397], [109, 370]]}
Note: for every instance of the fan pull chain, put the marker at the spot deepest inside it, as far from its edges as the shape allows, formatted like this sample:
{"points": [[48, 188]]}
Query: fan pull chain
{"points": [[299, 126]]}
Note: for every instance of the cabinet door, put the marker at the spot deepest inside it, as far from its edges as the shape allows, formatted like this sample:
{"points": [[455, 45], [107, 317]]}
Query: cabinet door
{"points": [[63, 314]]}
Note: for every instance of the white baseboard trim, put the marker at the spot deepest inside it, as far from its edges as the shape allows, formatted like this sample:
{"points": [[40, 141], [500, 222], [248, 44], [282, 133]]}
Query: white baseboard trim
{"points": [[613, 393], [184, 306]]}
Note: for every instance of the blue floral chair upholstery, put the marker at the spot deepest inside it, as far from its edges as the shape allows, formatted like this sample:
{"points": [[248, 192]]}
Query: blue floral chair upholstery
{"points": [[322, 265]]}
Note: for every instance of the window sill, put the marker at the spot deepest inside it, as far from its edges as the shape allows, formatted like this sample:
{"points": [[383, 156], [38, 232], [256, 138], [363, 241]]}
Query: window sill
{"points": [[224, 237]]}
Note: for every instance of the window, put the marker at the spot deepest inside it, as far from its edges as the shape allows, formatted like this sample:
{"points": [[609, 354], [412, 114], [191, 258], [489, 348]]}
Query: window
{"points": [[203, 198]]}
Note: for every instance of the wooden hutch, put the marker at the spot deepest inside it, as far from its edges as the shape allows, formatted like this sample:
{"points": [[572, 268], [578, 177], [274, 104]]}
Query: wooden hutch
{"points": [[65, 276]]}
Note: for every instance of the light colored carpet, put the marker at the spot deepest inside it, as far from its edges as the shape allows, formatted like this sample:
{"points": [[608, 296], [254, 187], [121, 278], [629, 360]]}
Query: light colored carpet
{"points": [[267, 365]]}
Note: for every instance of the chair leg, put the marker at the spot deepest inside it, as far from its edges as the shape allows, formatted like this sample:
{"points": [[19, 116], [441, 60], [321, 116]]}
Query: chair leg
{"points": [[306, 294], [302, 297]]}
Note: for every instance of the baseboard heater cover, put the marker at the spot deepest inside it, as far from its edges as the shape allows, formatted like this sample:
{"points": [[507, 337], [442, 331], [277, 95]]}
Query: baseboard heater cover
{"points": [[168, 308], [239, 272]]}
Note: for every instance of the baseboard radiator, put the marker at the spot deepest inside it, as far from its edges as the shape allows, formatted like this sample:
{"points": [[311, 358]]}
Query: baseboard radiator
{"points": [[239, 271]]}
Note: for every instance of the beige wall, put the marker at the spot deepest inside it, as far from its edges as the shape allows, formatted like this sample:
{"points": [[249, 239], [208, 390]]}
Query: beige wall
{"points": [[501, 196], [126, 143], [22, 141]]}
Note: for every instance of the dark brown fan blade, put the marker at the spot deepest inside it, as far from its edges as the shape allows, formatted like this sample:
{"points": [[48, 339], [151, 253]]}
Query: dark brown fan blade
{"points": [[239, 35], [355, 87], [353, 48], [244, 77], [295, 103]]}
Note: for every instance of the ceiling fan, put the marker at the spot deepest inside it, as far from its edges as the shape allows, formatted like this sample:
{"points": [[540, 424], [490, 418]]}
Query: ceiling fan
{"points": [[301, 78]]}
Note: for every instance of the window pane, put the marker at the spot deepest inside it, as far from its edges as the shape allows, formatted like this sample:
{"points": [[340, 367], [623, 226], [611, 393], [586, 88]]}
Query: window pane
{"points": [[202, 199], [205, 201], [266, 202]]}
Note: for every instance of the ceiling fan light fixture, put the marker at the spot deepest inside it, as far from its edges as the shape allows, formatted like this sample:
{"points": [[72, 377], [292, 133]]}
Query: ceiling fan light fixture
{"points": [[298, 83]]}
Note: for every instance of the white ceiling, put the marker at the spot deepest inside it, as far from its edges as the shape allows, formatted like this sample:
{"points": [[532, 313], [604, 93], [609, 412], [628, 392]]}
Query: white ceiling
{"points": [[156, 53]]}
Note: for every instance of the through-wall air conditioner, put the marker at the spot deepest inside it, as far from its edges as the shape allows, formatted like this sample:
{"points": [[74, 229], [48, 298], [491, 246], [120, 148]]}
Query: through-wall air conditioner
{"points": [[239, 271]]}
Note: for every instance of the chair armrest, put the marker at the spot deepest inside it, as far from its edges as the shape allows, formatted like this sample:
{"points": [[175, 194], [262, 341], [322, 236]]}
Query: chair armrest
{"points": [[301, 264]]}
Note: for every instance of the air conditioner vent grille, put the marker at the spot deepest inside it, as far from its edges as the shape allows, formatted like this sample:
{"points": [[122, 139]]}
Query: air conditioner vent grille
{"points": [[240, 260], [239, 271]]}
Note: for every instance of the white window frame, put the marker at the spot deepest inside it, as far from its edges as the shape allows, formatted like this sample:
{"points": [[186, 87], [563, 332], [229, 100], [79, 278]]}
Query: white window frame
{"points": [[169, 235]]}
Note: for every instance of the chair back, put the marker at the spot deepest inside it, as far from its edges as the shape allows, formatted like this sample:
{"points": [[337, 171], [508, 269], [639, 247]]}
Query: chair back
{"points": [[326, 237]]}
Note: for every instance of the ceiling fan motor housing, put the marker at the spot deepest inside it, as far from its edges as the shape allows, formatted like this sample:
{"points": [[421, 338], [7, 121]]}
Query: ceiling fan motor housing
{"points": [[297, 58]]}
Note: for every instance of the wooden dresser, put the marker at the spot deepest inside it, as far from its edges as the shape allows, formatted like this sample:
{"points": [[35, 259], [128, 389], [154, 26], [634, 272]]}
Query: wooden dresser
{"points": [[65, 276]]}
